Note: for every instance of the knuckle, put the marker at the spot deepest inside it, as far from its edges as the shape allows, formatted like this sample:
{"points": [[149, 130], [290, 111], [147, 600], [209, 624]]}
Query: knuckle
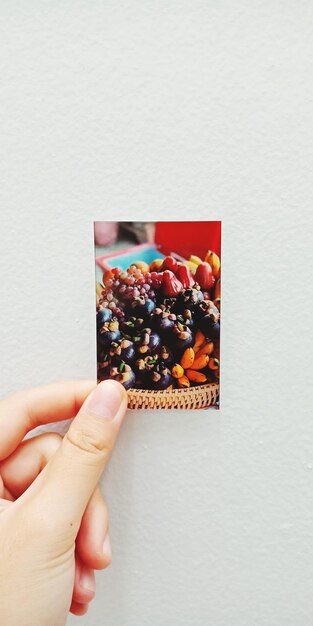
{"points": [[87, 441]]}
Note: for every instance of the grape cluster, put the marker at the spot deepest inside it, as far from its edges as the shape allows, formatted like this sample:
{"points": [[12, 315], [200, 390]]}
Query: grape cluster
{"points": [[122, 288]]}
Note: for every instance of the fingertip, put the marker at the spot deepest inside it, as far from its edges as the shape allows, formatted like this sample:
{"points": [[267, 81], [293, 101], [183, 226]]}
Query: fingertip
{"points": [[78, 609], [108, 400], [111, 384], [107, 550]]}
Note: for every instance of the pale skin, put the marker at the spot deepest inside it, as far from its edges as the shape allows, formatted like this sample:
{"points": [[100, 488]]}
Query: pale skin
{"points": [[54, 528]]}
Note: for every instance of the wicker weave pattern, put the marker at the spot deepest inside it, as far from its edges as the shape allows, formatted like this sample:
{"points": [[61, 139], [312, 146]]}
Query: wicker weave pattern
{"points": [[199, 397]]}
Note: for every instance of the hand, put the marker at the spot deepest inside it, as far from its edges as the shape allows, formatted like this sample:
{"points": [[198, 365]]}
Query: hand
{"points": [[53, 519]]}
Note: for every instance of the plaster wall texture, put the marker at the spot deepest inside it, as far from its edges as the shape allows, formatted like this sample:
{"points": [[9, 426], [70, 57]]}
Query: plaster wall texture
{"points": [[174, 110]]}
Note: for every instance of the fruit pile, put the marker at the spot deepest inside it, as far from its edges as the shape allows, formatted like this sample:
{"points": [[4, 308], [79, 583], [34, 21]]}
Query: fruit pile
{"points": [[158, 326]]}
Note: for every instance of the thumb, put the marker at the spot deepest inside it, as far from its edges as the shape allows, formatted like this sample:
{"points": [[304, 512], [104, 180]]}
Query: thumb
{"points": [[69, 479]]}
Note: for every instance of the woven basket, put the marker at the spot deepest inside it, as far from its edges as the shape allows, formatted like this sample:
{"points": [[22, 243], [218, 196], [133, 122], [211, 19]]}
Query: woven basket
{"points": [[200, 397]]}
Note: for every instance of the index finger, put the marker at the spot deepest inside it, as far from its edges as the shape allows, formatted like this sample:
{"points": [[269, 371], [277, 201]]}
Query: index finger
{"points": [[24, 410]]}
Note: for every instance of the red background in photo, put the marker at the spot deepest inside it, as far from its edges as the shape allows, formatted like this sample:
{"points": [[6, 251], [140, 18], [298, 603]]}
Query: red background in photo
{"points": [[188, 238]]}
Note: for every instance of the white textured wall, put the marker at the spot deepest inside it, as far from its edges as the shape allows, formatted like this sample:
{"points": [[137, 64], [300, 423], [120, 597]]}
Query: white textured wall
{"points": [[157, 109]]}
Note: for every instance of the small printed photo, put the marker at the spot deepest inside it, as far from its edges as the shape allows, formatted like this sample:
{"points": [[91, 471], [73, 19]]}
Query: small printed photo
{"points": [[158, 309]]}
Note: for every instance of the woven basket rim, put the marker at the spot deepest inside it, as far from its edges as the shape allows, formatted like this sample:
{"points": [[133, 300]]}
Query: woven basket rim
{"points": [[176, 392], [198, 397]]}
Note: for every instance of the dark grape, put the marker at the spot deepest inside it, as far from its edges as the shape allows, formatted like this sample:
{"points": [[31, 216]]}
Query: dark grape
{"points": [[141, 307], [159, 378], [124, 374], [103, 315], [210, 328], [180, 338], [109, 332], [149, 342], [188, 299]]}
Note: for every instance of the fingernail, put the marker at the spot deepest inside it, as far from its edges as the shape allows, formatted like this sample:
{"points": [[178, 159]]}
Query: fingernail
{"points": [[106, 399], [87, 580], [107, 550]]}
